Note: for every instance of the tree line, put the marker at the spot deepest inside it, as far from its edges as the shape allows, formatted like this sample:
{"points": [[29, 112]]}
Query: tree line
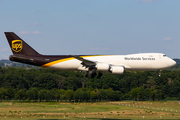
{"points": [[81, 94], [38, 84]]}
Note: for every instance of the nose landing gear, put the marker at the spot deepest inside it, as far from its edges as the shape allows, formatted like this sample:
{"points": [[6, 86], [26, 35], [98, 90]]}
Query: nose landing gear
{"points": [[159, 71]]}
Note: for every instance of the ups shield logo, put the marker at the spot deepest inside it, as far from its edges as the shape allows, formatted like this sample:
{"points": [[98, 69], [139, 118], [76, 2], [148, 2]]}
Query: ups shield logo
{"points": [[17, 45]]}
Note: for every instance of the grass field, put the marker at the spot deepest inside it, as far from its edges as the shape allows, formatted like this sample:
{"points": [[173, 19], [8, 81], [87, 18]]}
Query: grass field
{"points": [[99, 110]]}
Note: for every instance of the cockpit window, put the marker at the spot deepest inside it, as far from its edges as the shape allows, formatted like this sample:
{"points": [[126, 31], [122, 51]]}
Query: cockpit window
{"points": [[164, 55]]}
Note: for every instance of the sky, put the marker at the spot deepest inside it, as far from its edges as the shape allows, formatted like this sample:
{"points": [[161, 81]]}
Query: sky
{"points": [[87, 27]]}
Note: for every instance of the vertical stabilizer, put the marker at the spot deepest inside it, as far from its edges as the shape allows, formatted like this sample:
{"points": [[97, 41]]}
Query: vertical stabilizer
{"points": [[18, 46]]}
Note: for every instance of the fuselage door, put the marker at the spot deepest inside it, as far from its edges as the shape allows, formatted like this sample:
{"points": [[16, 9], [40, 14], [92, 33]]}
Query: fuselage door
{"points": [[160, 56]]}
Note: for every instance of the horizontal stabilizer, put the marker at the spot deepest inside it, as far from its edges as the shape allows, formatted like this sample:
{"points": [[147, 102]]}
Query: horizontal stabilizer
{"points": [[20, 59]]}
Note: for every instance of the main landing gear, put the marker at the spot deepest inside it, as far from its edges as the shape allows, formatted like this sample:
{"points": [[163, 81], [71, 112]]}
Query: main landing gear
{"points": [[92, 73]]}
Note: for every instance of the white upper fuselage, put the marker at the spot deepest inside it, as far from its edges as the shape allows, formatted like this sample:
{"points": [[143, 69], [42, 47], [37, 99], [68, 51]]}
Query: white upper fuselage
{"points": [[142, 61]]}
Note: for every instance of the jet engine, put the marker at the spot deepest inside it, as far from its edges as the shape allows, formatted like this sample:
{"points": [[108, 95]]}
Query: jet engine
{"points": [[102, 67], [117, 70]]}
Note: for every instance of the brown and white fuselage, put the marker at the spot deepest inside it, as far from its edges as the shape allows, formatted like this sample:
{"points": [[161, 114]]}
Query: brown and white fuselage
{"points": [[115, 64]]}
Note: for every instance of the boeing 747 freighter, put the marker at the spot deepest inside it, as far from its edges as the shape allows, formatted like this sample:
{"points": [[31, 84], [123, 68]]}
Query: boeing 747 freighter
{"points": [[115, 64]]}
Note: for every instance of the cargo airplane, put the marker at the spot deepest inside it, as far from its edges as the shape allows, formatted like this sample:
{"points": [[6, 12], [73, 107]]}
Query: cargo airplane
{"points": [[115, 64]]}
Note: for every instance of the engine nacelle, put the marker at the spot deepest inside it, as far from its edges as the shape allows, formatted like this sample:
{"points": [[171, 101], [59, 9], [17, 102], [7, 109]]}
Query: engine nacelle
{"points": [[102, 67], [117, 70]]}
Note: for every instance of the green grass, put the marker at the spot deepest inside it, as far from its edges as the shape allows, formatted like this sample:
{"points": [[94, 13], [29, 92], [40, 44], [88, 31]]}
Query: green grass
{"points": [[100, 110]]}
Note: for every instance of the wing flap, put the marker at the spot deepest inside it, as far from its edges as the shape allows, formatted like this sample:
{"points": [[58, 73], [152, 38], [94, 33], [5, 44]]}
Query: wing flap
{"points": [[85, 62]]}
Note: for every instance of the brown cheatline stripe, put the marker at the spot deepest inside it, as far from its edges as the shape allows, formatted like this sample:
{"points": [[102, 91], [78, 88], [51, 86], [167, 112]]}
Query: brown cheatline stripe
{"points": [[57, 61], [66, 59]]}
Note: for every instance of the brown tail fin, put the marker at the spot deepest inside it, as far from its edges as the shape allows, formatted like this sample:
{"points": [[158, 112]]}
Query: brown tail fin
{"points": [[18, 46]]}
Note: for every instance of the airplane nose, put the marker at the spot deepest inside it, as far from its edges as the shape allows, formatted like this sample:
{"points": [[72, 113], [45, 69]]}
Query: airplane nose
{"points": [[171, 63]]}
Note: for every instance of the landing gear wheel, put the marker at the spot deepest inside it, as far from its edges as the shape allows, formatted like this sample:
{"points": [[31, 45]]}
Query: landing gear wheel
{"points": [[92, 73], [99, 75], [159, 73]]}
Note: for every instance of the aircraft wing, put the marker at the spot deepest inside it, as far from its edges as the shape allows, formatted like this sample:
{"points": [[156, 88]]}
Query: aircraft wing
{"points": [[85, 62]]}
